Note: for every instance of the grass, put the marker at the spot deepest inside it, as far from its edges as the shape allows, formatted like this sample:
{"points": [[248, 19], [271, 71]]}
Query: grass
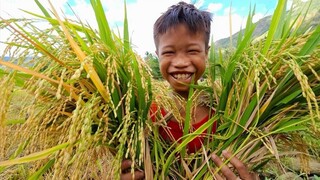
{"points": [[20, 99]]}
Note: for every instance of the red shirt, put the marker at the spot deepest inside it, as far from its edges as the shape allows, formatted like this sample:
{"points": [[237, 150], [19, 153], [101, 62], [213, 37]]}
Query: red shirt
{"points": [[174, 131]]}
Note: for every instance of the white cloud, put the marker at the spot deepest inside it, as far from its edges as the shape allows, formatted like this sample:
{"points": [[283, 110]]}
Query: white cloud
{"points": [[229, 9], [214, 7], [83, 11], [220, 27], [257, 17]]}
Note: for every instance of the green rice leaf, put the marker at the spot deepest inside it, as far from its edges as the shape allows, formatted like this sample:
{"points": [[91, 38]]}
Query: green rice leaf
{"points": [[276, 18], [126, 42], [312, 43], [15, 121], [104, 29], [42, 170], [34, 156], [291, 125], [187, 122], [43, 9]]}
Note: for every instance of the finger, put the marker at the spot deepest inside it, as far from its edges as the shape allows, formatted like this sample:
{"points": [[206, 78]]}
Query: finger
{"points": [[126, 164], [224, 169], [239, 165], [128, 176]]}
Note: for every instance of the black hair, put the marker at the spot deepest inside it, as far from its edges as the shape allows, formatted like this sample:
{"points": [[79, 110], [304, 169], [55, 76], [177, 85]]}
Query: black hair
{"points": [[183, 13]]}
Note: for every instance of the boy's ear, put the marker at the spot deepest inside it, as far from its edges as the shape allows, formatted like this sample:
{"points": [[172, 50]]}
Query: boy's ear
{"points": [[207, 50], [207, 54]]}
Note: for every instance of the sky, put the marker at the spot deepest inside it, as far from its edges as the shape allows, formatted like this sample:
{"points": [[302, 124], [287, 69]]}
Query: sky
{"points": [[142, 14]]}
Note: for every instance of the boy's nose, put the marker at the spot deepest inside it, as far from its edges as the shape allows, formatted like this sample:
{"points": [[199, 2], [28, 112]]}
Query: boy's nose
{"points": [[181, 61]]}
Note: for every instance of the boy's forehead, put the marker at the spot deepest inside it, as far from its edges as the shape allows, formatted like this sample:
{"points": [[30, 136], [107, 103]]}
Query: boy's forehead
{"points": [[178, 28], [168, 38]]}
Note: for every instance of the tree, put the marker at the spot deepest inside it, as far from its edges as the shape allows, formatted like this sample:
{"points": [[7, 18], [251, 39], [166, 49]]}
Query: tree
{"points": [[153, 62]]}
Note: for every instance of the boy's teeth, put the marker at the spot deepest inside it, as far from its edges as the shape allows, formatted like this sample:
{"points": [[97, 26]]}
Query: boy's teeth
{"points": [[181, 76]]}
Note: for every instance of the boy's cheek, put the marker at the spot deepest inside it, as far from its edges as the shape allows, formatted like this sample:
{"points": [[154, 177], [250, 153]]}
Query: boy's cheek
{"points": [[162, 72]]}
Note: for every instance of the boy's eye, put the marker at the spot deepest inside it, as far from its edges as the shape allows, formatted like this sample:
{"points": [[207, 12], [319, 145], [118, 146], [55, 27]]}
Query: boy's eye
{"points": [[193, 51], [167, 52]]}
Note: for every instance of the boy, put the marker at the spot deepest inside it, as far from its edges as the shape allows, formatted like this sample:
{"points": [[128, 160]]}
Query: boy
{"points": [[181, 37]]}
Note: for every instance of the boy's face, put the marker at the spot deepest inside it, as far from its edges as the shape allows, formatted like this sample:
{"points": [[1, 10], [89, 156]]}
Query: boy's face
{"points": [[182, 54]]}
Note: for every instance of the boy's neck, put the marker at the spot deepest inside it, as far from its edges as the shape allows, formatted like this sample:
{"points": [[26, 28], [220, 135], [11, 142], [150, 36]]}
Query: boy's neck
{"points": [[183, 94]]}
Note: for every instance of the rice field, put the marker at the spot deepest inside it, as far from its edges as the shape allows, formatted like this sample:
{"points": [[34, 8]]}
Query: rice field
{"points": [[75, 109]]}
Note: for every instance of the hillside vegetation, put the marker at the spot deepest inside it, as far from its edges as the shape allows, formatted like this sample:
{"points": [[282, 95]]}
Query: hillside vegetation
{"points": [[262, 26]]}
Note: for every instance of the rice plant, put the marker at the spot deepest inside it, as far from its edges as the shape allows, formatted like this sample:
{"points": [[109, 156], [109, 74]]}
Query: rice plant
{"points": [[90, 99]]}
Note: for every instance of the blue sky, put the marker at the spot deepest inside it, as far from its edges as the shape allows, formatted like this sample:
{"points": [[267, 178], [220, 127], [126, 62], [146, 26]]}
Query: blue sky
{"points": [[242, 6], [143, 13]]}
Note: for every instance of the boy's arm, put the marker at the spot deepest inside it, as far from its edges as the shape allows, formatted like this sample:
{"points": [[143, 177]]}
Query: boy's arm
{"points": [[237, 164]]}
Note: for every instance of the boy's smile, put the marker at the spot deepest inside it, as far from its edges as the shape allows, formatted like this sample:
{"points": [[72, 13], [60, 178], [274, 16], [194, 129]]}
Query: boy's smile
{"points": [[182, 77], [182, 55]]}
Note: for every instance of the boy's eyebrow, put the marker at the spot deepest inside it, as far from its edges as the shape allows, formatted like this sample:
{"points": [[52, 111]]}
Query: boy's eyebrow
{"points": [[188, 45], [194, 44], [167, 46]]}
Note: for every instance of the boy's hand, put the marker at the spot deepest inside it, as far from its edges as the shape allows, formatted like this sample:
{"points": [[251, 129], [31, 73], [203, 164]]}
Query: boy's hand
{"points": [[126, 171], [237, 164]]}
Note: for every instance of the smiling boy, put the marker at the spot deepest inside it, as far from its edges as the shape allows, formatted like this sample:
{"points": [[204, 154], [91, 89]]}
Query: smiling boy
{"points": [[181, 37], [182, 55]]}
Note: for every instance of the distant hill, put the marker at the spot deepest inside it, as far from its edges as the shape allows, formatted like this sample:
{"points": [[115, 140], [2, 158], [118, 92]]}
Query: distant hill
{"points": [[262, 26]]}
